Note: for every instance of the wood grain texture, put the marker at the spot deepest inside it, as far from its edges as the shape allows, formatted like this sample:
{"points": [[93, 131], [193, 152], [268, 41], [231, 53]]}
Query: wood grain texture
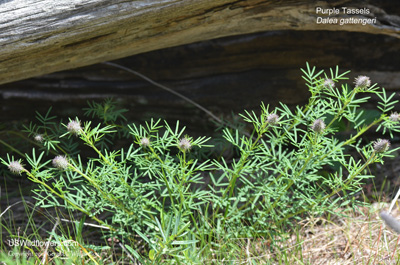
{"points": [[224, 75], [44, 36]]}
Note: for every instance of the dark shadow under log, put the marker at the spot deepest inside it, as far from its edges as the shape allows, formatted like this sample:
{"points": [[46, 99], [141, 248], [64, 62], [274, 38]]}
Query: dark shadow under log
{"points": [[223, 75]]}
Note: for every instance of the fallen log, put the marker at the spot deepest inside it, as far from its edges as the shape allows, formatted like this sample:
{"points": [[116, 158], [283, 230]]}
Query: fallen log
{"points": [[44, 36]]}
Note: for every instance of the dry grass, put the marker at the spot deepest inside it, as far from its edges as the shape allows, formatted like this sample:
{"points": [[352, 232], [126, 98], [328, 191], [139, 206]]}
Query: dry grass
{"points": [[360, 238]]}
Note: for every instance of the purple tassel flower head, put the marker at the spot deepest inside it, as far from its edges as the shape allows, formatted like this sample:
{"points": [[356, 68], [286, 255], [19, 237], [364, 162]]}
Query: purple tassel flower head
{"points": [[38, 138], [362, 82], [381, 145], [145, 142], [15, 167], [273, 119], [318, 126], [328, 83], [184, 144], [394, 117], [60, 162], [74, 127]]}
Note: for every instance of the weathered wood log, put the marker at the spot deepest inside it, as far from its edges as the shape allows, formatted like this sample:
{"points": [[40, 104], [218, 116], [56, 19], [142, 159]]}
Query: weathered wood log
{"points": [[44, 36], [224, 75]]}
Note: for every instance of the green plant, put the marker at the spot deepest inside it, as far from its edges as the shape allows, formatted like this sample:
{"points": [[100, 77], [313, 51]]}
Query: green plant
{"points": [[161, 191]]}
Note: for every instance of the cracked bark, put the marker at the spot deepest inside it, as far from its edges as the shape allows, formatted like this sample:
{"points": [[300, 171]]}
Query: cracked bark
{"points": [[43, 36]]}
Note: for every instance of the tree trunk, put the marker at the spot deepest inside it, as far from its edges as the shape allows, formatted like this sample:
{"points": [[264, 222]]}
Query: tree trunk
{"points": [[44, 36]]}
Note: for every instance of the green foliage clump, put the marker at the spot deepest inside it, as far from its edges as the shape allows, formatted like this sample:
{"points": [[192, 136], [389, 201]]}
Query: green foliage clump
{"points": [[163, 192]]}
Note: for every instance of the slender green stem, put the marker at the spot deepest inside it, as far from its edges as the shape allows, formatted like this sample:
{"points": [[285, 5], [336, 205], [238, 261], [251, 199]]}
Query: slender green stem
{"points": [[349, 180], [108, 196], [92, 145], [163, 168], [349, 141], [292, 181], [12, 148], [61, 196], [352, 139], [243, 160], [182, 182], [346, 103]]}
